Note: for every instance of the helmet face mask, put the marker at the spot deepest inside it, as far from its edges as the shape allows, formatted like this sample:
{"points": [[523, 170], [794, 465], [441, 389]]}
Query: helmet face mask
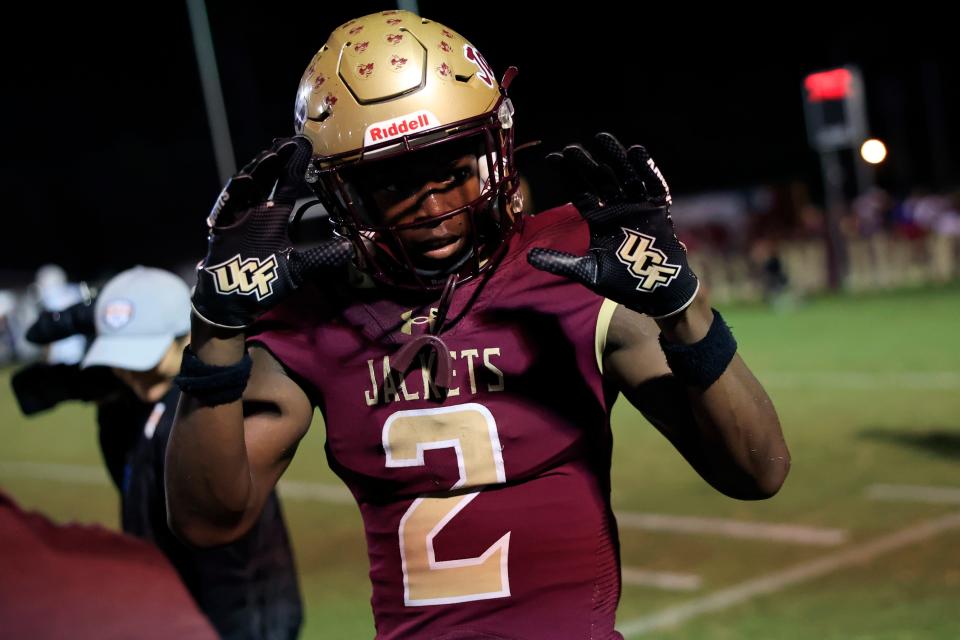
{"points": [[419, 177], [402, 208]]}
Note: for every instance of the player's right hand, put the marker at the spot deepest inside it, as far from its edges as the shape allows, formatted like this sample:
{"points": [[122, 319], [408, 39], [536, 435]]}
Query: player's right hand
{"points": [[251, 264]]}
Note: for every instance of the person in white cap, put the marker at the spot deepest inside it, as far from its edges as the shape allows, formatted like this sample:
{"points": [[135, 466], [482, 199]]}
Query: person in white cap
{"points": [[248, 589], [143, 324]]}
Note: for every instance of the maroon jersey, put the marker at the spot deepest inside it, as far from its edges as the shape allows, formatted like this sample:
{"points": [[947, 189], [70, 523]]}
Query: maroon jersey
{"points": [[487, 513]]}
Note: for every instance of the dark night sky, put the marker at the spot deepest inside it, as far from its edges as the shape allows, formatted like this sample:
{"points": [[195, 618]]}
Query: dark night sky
{"points": [[111, 162]]}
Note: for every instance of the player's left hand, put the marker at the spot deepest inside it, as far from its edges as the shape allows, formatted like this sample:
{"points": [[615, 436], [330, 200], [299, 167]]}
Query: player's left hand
{"points": [[634, 257]]}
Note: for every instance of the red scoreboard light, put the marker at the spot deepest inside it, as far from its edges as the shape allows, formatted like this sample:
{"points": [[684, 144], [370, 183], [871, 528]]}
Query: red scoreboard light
{"points": [[833, 104], [828, 85]]}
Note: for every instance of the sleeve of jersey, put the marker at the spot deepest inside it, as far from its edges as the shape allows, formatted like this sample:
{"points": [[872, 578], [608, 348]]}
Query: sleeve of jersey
{"points": [[288, 333]]}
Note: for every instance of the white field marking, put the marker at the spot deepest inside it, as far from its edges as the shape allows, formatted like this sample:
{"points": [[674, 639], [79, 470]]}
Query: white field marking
{"points": [[803, 572], [75, 473], [317, 491], [914, 493], [339, 494], [861, 380], [773, 532], [661, 579], [92, 474]]}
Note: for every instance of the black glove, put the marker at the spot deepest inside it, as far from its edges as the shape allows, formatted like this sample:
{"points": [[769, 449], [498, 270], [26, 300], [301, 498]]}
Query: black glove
{"points": [[634, 257], [251, 264]]}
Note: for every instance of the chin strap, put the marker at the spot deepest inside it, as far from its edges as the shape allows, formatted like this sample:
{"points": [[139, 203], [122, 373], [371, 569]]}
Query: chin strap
{"points": [[403, 358], [445, 298]]}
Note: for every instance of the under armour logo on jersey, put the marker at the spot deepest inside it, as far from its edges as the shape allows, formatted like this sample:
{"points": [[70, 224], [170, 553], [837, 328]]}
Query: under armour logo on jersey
{"points": [[409, 320], [246, 277], [644, 261]]}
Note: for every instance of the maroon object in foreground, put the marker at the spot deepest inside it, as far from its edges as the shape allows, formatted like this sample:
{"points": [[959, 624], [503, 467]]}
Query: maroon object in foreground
{"points": [[80, 582]]}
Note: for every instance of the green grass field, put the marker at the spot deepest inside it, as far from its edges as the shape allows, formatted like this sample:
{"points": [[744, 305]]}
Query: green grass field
{"points": [[868, 392]]}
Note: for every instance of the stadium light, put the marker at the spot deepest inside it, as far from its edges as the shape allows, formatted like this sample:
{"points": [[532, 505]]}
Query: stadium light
{"points": [[873, 151]]}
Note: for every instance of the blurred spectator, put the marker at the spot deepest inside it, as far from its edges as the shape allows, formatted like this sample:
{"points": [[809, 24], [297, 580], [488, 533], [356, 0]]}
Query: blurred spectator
{"points": [[871, 211], [8, 303], [54, 293], [770, 269]]}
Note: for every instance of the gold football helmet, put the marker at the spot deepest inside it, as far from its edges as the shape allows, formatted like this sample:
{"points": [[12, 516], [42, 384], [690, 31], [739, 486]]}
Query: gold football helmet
{"points": [[388, 91]]}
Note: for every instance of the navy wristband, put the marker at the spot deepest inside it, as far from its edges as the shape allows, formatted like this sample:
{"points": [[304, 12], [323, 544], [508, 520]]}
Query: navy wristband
{"points": [[213, 385], [701, 363]]}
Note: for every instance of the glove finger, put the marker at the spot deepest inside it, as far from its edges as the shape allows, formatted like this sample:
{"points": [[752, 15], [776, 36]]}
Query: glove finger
{"points": [[329, 255], [295, 153], [235, 198], [613, 154], [600, 177], [583, 269], [265, 175], [261, 180], [248, 168], [654, 182], [286, 147], [581, 191]]}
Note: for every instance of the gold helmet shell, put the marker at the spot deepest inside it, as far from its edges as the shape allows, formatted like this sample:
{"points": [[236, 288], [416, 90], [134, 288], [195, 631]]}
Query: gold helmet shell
{"points": [[390, 68]]}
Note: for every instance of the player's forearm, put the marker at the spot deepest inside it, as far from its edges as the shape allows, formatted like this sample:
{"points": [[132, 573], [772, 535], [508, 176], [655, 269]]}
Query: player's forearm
{"points": [[208, 479], [740, 432]]}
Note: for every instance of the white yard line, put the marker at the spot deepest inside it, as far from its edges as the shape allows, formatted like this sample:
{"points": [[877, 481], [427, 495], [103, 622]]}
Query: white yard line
{"points": [[773, 532], [317, 491], [803, 572], [92, 474], [338, 494], [661, 579], [914, 493], [76, 473]]}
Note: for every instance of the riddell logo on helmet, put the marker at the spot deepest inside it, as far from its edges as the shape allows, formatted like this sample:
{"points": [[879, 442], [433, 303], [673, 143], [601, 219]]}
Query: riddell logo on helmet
{"points": [[397, 127]]}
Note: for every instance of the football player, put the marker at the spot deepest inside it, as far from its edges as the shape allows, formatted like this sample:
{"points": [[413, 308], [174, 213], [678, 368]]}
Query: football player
{"points": [[465, 357]]}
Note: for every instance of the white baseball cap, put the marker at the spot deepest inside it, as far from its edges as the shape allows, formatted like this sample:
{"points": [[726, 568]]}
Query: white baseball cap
{"points": [[138, 315]]}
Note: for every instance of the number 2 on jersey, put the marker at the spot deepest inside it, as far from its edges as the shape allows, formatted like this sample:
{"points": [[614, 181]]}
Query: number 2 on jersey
{"points": [[470, 430]]}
